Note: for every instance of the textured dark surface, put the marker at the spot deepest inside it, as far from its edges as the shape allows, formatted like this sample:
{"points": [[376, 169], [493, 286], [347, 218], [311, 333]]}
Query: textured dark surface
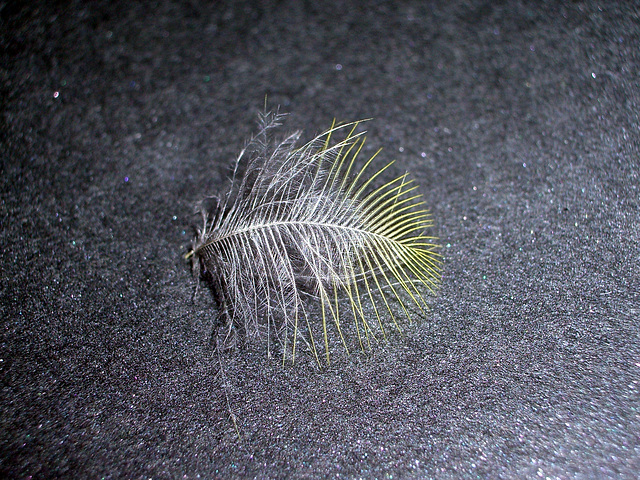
{"points": [[519, 121]]}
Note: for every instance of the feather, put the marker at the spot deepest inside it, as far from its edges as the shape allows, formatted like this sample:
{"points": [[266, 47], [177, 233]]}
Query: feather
{"points": [[303, 239]]}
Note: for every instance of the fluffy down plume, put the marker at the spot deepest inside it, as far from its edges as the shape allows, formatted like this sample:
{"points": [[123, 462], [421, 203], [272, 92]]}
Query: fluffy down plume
{"points": [[304, 240]]}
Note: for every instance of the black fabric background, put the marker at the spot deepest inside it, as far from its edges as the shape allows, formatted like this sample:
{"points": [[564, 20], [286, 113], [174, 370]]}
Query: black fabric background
{"points": [[518, 119]]}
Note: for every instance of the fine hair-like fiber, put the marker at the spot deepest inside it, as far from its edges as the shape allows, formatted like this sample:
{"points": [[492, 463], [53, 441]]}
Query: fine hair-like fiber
{"points": [[305, 239]]}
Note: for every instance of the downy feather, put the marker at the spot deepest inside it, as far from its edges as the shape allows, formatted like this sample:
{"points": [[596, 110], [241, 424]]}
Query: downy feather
{"points": [[303, 239]]}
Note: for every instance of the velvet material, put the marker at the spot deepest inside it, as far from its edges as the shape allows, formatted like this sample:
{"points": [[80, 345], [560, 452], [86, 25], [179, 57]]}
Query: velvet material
{"points": [[519, 120]]}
